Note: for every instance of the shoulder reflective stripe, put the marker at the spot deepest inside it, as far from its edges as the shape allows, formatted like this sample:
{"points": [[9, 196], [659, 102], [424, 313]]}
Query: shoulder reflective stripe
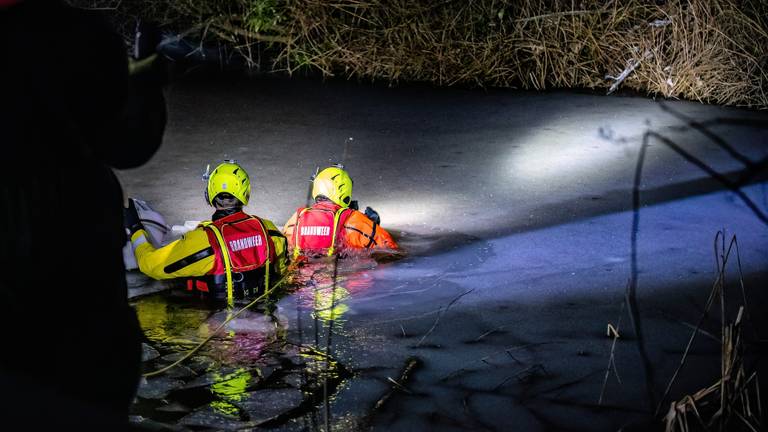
{"points": [[195, 257], [139, 240], [270, 248], [296, 248], [227, 262], [336, 218]]}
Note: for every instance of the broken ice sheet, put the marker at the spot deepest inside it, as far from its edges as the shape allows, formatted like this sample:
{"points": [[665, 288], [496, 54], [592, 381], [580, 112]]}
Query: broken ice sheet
{"points": [[197, 364], [157, 388], [180, 372], [174, 407], [250, 410], [263, 405], [294, 379], [200, 364], [241, 378], [213, 417], [148, 353], [173, 357], [146, 424]]}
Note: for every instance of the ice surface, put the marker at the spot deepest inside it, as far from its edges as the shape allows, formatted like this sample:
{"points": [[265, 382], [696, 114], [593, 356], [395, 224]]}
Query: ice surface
{"points": [[516, 213]]}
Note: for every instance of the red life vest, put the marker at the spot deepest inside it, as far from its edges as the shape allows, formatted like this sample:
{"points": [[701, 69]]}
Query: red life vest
{"points": [[315, 228], [247, 243]]}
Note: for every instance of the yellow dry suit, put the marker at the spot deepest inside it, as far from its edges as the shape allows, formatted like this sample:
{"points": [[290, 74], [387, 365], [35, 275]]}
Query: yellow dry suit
{"points": [[243, 243]]}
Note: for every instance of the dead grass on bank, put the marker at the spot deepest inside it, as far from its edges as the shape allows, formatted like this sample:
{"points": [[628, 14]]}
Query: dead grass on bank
{"points": [[709, 51], [713, 51]]}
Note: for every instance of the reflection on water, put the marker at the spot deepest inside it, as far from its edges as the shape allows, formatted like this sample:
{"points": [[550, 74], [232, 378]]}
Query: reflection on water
{"points": [[318, 364], [245, 338], [168, 321], [230, 389], [325, 296], [175, 324], [216, 386], [178, 323]]}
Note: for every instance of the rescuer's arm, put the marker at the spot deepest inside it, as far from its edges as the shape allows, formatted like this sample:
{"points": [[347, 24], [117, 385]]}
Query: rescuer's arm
{"points": [[189, 256], [281, 246], [288, 229], [362, 232]]}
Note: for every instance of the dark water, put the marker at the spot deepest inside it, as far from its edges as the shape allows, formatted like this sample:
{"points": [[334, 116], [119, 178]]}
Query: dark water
{"points": [[251, 372]]}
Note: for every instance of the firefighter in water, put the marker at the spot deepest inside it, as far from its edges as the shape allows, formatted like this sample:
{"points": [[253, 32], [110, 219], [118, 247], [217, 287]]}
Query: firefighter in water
{"points": [[233, 256], [331, 225]]}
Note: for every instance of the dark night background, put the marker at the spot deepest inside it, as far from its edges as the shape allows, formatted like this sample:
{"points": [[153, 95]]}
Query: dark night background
{"points": [[580, 189]]}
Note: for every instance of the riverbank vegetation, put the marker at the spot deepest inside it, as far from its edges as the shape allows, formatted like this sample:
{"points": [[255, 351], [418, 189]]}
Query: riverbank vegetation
{"points": [[708, 51]]}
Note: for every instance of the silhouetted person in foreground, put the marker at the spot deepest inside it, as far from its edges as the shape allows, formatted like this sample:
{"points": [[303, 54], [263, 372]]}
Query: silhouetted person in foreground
{"points": [[69, 113]]}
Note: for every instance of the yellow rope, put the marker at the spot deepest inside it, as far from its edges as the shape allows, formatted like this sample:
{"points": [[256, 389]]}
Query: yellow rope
{"points": [[295, 235], [268, 241], [227, 262], [336, 217]]}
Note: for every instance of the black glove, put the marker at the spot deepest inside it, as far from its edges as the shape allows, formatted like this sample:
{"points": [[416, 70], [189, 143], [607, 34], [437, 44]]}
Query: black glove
{"points": [[131, 218], [353, 205], [373, 215]]}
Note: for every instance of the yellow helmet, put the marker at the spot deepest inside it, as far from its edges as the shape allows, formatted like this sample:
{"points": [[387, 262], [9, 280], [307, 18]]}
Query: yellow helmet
{"points": [[335, 184], [231, 178]]}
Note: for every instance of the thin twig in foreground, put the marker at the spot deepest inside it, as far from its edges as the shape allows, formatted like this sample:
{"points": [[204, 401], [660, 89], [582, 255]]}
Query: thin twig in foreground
{"points": [[440, 314], [612, 358]]}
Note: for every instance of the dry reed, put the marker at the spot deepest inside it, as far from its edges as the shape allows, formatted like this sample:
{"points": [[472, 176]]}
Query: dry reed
{"points": [[713, 51], [709, 51], [733, 402]]}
